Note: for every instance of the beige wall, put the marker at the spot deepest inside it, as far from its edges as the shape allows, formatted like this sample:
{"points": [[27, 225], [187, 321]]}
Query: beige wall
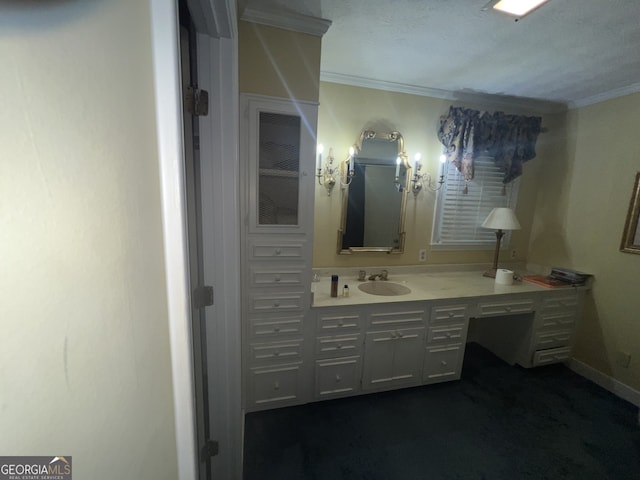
{"points": [[278, 62], [583, 199], [84, 350], [344, 112]]}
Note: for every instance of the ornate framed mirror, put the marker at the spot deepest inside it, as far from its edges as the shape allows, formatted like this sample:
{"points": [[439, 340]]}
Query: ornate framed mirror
{"points": [[631, 235], [374, 200]]}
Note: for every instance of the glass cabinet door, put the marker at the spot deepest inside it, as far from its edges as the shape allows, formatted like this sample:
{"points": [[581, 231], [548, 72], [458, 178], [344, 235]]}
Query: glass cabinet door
{"points": [[278, 169], [277, 149]]}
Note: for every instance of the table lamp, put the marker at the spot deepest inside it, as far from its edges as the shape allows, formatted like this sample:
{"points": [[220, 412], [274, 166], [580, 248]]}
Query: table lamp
{"points": [[499, 219]]}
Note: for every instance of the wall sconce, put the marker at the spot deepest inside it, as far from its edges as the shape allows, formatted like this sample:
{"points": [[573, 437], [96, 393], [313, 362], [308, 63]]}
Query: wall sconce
{"points": [[328, 175], [350, 168], [418, 178]]}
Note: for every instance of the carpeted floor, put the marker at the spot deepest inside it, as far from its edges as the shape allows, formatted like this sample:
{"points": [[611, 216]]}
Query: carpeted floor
{"points": [[497, 422]]}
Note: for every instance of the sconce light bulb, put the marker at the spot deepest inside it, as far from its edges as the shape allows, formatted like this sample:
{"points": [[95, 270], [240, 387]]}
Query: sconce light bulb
{"points": [[320, 148], [398, 161], [351, 151], [443, 158], [418, 157]]}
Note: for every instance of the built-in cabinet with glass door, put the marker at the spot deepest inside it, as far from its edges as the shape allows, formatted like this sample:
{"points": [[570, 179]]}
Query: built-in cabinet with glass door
{"points": [[277, 160]]}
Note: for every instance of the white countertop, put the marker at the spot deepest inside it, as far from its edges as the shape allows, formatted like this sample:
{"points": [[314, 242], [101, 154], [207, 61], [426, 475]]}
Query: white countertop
{"points": [[424, 286]]}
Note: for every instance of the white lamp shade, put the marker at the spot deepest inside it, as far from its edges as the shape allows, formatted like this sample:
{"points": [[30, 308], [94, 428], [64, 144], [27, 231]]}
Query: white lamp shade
{"points": [[501, 219]]}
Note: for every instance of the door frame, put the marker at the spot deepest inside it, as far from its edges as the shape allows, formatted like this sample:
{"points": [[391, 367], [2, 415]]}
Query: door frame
{"points": [[217, 65]]}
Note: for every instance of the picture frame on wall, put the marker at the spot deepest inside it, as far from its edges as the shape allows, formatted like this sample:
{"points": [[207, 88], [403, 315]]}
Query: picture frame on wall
{"points": [[631, 234]]}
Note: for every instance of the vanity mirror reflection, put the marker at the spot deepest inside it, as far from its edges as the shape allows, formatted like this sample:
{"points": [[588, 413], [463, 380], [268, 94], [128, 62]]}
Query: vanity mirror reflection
{"points": [[373, 202]]}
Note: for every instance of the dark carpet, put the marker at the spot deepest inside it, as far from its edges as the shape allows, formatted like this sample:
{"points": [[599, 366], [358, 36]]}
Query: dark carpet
{"points": [[497, 422]]}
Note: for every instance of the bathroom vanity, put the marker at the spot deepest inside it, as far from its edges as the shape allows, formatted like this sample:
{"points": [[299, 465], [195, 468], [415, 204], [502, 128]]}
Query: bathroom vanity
{"points": [[368, 343], [302, 345]]}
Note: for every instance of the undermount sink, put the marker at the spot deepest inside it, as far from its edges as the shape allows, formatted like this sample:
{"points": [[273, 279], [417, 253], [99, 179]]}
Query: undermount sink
{"points": [[388, 289]]}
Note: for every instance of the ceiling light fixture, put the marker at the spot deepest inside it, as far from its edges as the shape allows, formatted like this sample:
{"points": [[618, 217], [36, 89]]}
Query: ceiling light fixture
{"points": [[517, 8]]}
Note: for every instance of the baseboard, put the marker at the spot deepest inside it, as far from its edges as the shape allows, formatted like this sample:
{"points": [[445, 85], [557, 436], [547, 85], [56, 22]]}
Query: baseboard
{"points": [[605, 381]]}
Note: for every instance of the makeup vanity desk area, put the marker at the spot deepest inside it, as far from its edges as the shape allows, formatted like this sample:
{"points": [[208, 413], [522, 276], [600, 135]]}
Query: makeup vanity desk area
{"points": [[365, 343]]}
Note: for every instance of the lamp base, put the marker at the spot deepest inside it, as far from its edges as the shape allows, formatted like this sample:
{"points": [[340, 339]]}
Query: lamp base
{"points": [[491, 273]]}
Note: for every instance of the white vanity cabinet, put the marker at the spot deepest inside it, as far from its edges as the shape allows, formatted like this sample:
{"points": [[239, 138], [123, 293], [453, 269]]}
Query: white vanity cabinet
{"points": [[446, 339], [357, 348], [394, 346], [555, 326], [531, 330], [338, 352], [277, 153]]}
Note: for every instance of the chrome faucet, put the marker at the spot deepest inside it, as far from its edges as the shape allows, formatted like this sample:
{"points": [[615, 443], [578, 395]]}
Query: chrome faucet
{"points": [[382, 275]]}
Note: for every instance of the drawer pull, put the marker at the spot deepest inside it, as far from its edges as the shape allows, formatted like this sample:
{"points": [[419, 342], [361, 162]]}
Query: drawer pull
{"points": [[340, 323], [447, 334], [276, 385], [507, 308], [400, 334], [338, 377], [277, 279], [339, 346], [276, 353], [443, 363], [451, 314], [276, 329], [276, 304]]}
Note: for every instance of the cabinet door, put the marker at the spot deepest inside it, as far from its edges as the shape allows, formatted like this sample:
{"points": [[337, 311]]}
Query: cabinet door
{"points": [[378, 363], [279, 151], [408, 355], [393, 358]]}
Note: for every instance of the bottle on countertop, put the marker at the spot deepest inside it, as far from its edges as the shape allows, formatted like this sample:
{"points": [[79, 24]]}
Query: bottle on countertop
{"points": [[345, 291], [334, 285]]}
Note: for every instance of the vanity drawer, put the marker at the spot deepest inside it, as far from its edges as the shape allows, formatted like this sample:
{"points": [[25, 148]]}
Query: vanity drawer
{"points": [[505, 307], [267, 328], [334, 323], [289, 351], [268, 276], [553, 339], [275, 386], [448, 313], [339, 345], [394, 319], [276, 301], [554, 355], [447, 334], [559, 303], [338, 377], [557, 321], [261, 249], [442, 363]]}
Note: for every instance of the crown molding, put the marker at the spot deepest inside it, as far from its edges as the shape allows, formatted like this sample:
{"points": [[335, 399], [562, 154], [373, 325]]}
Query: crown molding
{"points": [[287, 20], [603, 97], [494, 101], [364, 82]]}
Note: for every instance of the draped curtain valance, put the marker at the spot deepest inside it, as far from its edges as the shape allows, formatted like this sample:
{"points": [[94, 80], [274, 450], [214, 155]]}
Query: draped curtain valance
{"points": [[509, 139]]}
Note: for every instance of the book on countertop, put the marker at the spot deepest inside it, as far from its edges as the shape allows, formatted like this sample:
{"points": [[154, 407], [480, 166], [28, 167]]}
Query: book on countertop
{"points": [[548, 281], [570, 276]]}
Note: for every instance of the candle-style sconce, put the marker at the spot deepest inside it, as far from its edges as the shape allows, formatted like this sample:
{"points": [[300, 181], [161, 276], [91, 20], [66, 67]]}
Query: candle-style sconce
{"points": [[328, 174], [417, 179]]}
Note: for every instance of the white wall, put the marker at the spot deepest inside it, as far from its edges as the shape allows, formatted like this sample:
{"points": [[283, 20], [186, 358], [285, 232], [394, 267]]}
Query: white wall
{"points": [[84, 348]]}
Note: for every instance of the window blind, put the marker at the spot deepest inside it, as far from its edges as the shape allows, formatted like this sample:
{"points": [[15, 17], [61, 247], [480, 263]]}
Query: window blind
{"points": [[459, 216]]}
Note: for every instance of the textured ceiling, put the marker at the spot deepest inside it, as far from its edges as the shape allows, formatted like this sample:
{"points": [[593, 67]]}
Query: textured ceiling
{"points": [[573, 52]]}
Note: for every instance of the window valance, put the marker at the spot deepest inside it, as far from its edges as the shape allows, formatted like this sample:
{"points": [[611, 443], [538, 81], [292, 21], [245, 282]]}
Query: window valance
{"points": [[509, 139]]}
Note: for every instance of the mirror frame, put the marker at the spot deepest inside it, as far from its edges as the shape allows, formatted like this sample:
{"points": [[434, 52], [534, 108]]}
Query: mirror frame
{"points": [[344, 166], [632, 223]]}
